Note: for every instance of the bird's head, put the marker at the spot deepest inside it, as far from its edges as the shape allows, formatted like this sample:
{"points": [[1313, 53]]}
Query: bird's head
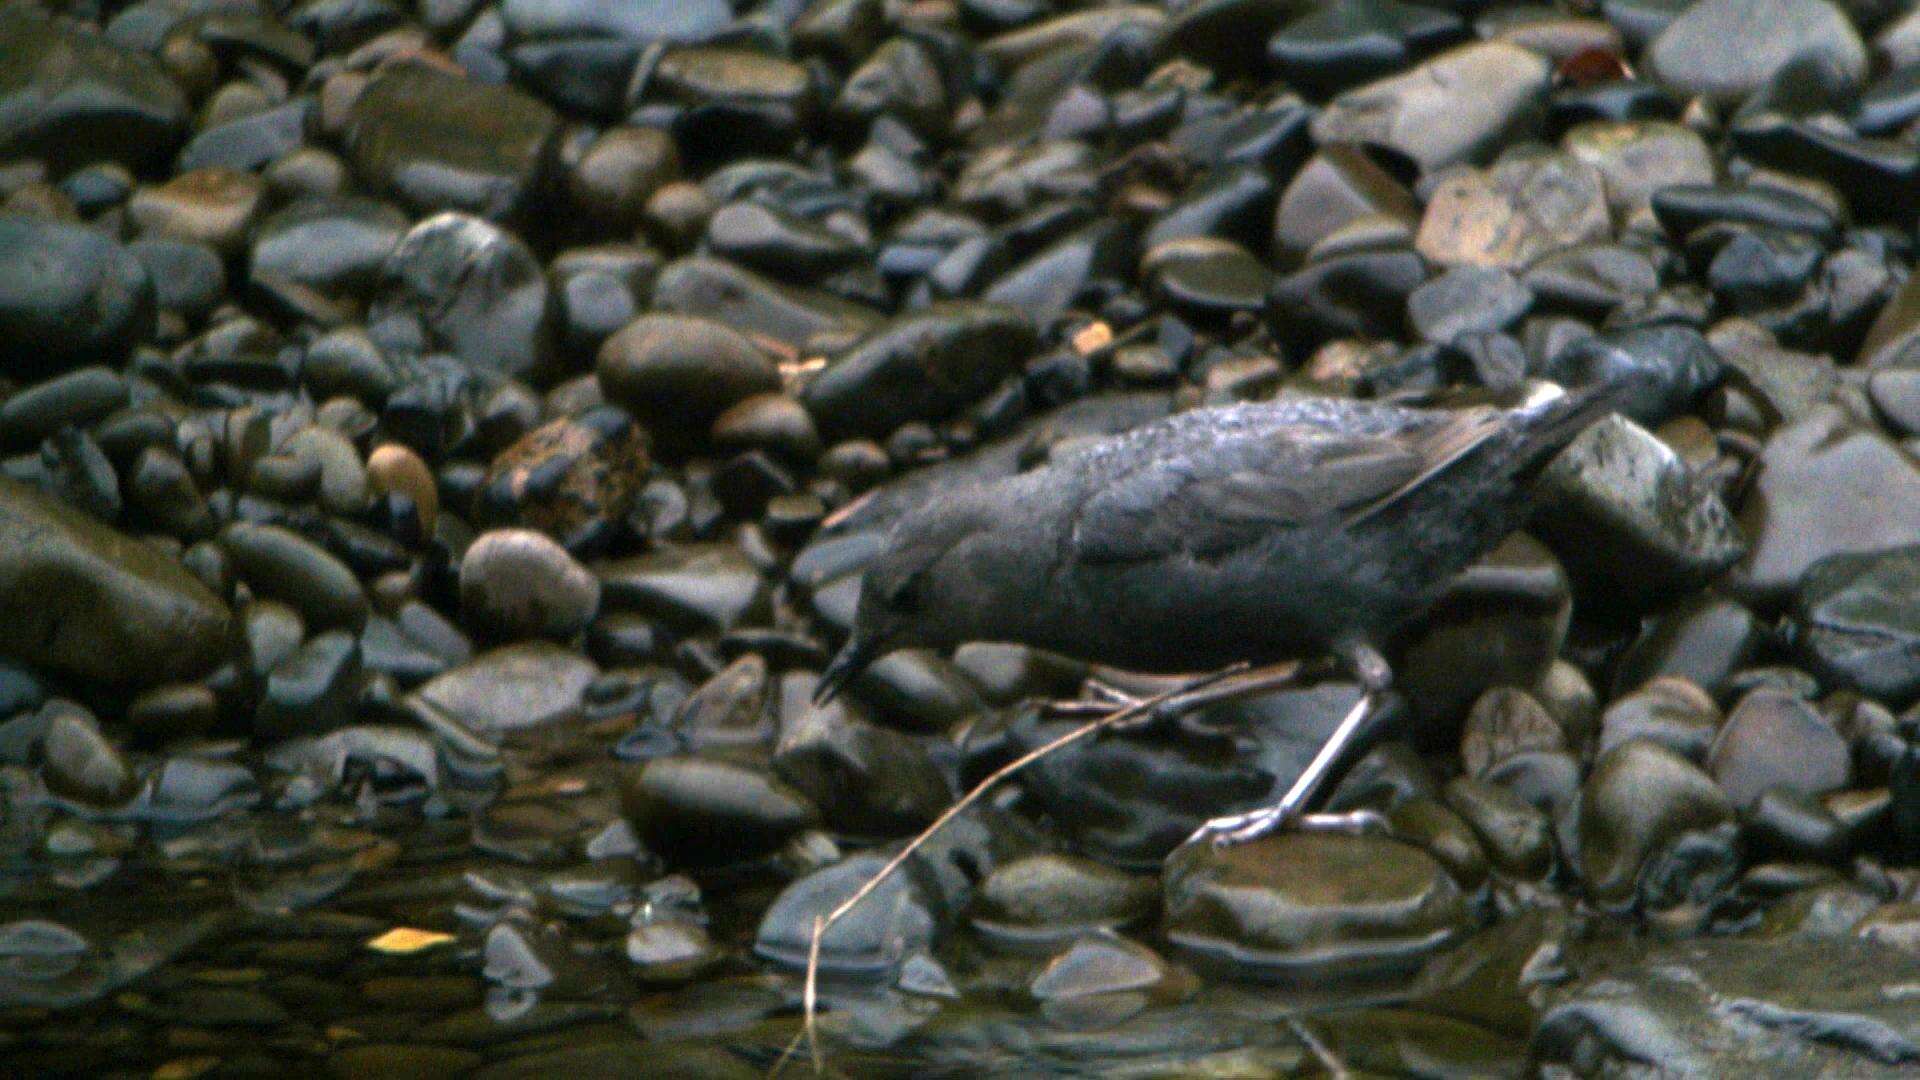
{"points": [[911, 595]]}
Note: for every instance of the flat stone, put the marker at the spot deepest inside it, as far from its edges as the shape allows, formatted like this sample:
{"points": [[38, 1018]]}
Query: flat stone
{"points": [[1734, 1006], [1311, 906], [1454, 108], [1825, 486], [1774, 741], [921, 366], [1727, 49], [530, 685], [707, 811]]}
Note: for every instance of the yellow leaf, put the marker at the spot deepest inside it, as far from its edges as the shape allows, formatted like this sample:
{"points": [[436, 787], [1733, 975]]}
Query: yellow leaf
{"points": [[402, 940]]}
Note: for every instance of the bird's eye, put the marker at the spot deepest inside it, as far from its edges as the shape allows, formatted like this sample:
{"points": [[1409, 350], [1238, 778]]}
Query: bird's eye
{"points": [[906, 595]]}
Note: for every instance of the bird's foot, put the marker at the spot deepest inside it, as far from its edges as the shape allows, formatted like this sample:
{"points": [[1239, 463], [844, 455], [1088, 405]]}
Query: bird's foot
{"points": [[1243, 828]]}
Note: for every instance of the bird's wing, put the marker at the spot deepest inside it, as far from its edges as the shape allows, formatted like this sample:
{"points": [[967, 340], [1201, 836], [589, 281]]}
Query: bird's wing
{"points": [[1439, 449], [1211, 500]]}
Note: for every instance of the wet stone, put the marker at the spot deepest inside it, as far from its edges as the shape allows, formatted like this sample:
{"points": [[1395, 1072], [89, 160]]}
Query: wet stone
{"points": [[322, 257], [1773, 741], [748, 302], [439, 142], [670, 952], [1647, 819], [697, 810], [78, 397], [1043, 900], [280, 563], [518, 583], [1506, 721], [1353, 41], [699, 588], [1514, 213], [918, 367], [80, 763], [1825, 486], [1455, 107], [867, 780], [1498, 623], [1311, 906], [74, 98], [1726, 49], [212, 206], [573, 479], [1668, 710], [83, 298], [893, 923], [1668, 368], [97, 604], [1464, 300], [1340, 185], [1635, 159], [1629, 519], [620, 171], [1704, 639], [1102, 978], [1207, 278], [473, 288], [312, 690], [676, 373], [1743, 1004], [529, 685], [1855, 622]]}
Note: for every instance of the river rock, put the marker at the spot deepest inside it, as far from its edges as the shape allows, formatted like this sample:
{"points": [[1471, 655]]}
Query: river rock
{"points": [[82, 298], [518, 583], [1311, 906], [921, 366], [531, 685], [1630, 521], [474, 288], [72, 98], [676, 373], [1727, 49], [695, 810], [439, 142], [280, 563], [1638, 811], [95, 604], [1514, 213], [1773, 741], [1721, 1006], [1456, 107], [1825, 486], [1857, 622]]}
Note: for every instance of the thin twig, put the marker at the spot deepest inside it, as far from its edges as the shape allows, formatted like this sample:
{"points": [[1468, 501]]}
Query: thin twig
{"points": [[810, 996]]}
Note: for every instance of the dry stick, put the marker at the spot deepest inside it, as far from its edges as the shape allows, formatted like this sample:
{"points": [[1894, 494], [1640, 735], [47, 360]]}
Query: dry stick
{"points": [[810, 996]]}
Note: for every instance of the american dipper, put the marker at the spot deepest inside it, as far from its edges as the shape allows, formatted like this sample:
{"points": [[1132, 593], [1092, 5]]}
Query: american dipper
{"points": [[1255, 532]]}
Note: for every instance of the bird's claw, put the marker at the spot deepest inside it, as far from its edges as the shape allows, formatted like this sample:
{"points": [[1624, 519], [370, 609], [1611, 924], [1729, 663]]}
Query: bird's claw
{"points": [[1236, 829]]}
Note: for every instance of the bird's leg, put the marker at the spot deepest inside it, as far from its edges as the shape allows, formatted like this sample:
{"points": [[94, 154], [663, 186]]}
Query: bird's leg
{"points": [[1370, 668], [1103, 697], [1100, 698]]}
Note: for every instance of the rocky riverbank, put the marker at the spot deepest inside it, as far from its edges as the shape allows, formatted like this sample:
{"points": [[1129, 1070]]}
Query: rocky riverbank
{"points": [[439, 444]]}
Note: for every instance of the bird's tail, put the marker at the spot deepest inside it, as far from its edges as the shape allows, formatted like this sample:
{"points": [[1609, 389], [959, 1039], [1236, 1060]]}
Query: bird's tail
{"points": [[1552, 416]]}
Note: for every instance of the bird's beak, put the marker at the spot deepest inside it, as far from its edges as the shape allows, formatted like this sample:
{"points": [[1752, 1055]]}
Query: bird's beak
{"points": [[849, 662]]}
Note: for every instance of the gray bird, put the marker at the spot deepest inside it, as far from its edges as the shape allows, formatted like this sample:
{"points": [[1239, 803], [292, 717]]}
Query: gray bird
{"points": [[1256, 532]]}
